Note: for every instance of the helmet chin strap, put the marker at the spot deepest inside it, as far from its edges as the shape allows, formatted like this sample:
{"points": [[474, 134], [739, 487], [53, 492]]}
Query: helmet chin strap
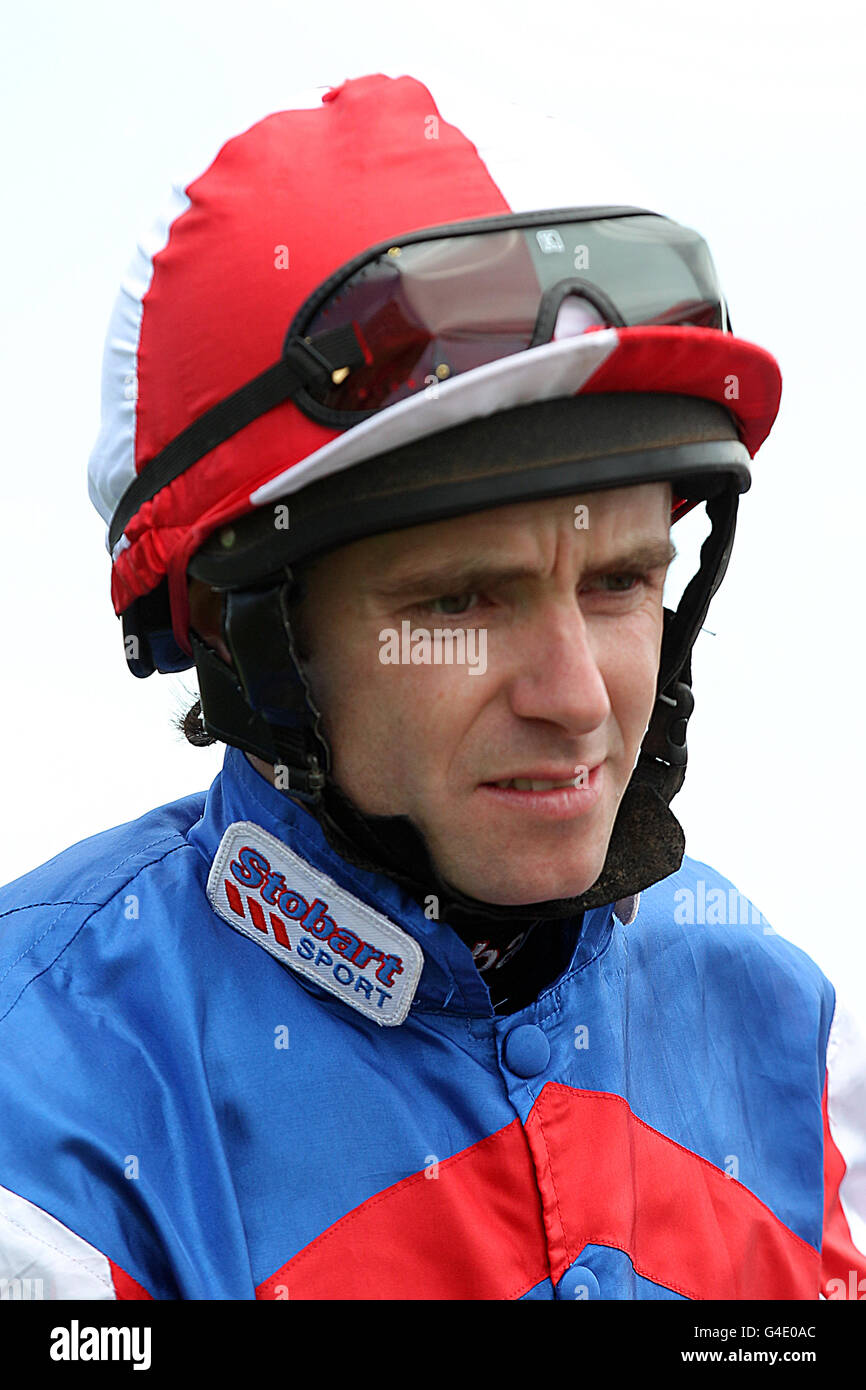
{"points": [[646, 845], [264, 705]]}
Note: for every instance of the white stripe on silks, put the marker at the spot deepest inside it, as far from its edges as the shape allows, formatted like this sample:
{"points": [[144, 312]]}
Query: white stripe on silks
{"points": [[112, 460], [35, 1246], [846, 1107], [555, 369]]}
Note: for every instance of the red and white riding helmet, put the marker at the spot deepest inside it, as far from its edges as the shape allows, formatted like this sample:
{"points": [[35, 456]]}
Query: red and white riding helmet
{"points": [[207, 302]]}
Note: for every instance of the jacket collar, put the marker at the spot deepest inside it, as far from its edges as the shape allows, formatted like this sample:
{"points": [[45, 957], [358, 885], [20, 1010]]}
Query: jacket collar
{"points": [[449, 979]]}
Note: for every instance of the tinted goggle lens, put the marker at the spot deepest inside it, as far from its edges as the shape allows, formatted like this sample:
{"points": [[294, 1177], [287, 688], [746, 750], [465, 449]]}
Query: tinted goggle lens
{"points": [[424, 311]]}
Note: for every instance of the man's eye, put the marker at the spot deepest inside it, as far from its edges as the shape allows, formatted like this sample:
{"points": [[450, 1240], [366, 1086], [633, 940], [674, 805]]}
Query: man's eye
{"points": [[455, 600], [613, 580]]}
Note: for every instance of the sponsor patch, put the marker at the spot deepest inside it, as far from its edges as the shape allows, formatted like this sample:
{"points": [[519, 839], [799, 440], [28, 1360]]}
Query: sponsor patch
{"points": [[269, 893]]}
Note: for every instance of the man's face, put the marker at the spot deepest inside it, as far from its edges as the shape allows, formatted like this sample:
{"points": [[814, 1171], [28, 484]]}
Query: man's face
{"points": [[571, 645]]}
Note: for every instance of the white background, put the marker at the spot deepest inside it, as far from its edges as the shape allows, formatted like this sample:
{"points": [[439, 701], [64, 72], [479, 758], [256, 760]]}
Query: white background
{"points": [[744, 120]]}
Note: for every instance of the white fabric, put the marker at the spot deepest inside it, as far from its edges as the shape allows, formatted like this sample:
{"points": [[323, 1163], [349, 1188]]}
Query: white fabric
{"points": [[574, 316], [35, 1246], [112, 460], [846, 1108], [539, 374]]}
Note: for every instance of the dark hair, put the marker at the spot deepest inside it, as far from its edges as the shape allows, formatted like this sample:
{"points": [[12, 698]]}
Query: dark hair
{"points": [[192, 727]]}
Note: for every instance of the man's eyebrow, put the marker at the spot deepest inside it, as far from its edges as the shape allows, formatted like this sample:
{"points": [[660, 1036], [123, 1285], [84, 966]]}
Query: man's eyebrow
{"points": [[460, 576]]}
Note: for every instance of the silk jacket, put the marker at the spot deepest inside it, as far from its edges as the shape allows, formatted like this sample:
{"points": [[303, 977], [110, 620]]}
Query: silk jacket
{"points": [[233, 1066]]}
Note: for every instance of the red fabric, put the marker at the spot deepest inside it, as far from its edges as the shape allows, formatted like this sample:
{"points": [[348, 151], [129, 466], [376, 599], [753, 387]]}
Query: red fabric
{"points": [[677, 359], [219, 304], [125, 1287], [473, 1232], [234, 897], [697, 362], [257, 914], [843, 1266], [607, 1178]]}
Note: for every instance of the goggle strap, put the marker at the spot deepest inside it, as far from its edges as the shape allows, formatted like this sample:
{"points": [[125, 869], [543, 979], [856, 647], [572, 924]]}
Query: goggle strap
{"points": [[302, 363]]}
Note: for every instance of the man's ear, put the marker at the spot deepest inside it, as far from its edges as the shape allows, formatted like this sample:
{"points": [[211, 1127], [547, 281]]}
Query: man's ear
{"points": [[205, 616]]}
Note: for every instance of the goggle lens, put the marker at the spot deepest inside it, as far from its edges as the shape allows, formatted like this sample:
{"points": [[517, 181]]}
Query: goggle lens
{"points": [[427, 310]]}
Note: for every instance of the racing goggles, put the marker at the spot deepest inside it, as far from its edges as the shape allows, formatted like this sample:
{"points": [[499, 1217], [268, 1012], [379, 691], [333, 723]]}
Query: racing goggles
{"points": [[412, 312], [422, 308]]}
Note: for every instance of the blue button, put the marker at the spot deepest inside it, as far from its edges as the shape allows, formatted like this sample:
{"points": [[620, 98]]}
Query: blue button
{"points": [[527, 1051], [578, 1282]]}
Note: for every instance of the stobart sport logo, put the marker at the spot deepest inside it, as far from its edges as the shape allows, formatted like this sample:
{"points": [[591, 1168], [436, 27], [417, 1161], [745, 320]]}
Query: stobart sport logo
{"points": [[270, 894]]}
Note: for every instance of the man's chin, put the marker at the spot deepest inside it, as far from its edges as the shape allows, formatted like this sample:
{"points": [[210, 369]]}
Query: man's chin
{"points": [[506, 891]]}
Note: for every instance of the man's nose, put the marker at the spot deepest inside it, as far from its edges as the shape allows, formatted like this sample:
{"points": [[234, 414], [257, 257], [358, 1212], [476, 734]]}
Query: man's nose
{"points": [[555, 672]]}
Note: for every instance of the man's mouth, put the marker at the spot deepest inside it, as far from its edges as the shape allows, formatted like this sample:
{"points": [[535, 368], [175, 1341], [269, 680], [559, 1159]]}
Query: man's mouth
{"points": [[536, 784], [545, 780], [574, 792]]}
